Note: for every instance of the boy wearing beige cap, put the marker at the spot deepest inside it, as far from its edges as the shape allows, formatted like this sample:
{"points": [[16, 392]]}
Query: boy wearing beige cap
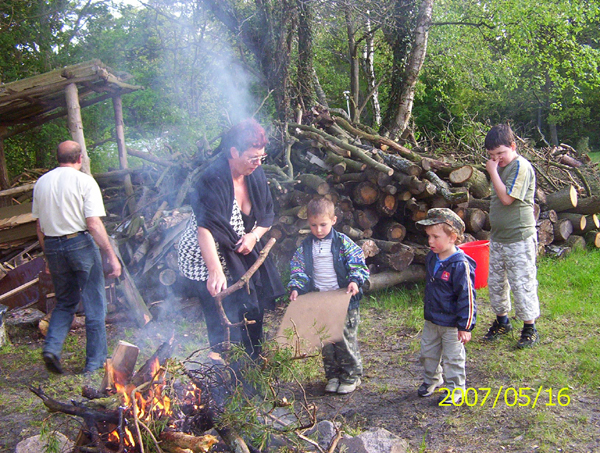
{"points": [[450, 308]]}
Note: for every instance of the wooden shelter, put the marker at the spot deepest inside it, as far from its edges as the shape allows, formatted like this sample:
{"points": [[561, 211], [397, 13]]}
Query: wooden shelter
{"points": [[31, 102]]}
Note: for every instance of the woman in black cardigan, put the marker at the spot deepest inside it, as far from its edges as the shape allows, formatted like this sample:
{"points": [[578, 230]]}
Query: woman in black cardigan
{"points": [[233, 209]]}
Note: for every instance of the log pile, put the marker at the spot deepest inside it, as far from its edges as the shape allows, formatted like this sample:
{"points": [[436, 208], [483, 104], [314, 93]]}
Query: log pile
{"points": [[380, 189]]}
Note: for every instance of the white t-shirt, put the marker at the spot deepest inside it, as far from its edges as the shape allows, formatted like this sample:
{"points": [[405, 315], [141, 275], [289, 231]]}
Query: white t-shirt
{"points": [[63, 198]]}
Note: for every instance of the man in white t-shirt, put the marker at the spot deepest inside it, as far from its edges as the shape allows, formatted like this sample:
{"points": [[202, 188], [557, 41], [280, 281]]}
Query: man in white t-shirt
{"points": [[68, 205]]}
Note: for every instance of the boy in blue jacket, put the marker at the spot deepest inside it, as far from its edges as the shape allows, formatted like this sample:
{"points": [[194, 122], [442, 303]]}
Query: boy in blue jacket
{"points": [[450, 309], [325, 261]]}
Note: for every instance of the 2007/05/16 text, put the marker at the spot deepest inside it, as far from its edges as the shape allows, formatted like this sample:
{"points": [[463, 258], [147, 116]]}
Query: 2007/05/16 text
{"points": [[523, 396]]}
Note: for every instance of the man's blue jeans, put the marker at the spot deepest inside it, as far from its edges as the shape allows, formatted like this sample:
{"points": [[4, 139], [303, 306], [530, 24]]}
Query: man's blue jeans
{"points": [[76, 268]]}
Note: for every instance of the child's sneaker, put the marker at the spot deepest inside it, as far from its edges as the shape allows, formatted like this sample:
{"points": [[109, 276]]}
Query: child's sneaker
{"points": [[451, 398], [427, 389], [332, 385], [529, 338], [348, 388], [497, 329]]}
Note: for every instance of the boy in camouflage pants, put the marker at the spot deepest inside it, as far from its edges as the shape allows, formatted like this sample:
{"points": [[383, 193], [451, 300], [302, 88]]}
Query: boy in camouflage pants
{"points": [[513, 241], [325, 261]]}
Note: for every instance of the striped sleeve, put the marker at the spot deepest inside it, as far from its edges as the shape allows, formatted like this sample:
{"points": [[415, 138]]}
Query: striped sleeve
{"points": [[355, 261], [298, 278], [519, 180]]}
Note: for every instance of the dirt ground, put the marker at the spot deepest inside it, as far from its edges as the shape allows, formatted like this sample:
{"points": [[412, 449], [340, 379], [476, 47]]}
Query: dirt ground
{"points": [[387, 398]]}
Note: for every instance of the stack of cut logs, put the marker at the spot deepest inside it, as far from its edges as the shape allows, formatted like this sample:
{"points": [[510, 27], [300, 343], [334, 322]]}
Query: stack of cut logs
{"points": [[380, 189]]}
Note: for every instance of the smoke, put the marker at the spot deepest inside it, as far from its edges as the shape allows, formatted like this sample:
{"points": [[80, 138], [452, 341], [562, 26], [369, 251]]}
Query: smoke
{"points": [[233, 84]]}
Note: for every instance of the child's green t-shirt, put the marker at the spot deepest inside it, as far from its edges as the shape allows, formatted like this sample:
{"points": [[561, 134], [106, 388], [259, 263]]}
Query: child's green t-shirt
{"points": [[515, 222]]}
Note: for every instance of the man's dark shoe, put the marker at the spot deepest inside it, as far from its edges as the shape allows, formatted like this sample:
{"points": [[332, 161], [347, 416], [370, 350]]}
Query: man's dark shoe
{"points": [[497, 330], [52, 363], [529, 338]]}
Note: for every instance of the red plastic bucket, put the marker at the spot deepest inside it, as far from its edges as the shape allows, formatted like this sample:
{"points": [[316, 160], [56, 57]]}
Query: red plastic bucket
{"points": [[480, 252]]}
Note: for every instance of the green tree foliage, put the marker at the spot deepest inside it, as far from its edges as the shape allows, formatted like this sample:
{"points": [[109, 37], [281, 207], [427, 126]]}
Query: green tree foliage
{"points": [[537, 65]]}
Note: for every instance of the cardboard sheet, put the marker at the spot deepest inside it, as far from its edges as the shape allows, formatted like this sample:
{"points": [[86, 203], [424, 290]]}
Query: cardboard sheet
{"points": [[317, 317]]}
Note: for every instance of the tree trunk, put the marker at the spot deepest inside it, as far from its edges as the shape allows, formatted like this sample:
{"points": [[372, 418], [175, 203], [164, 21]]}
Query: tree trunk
{"points": [[354, 63], [402, 99], [305, 54]]}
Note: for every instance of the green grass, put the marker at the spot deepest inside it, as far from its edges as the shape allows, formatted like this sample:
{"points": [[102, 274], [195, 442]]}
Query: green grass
{"points": [[569, 291], [595, 156]]}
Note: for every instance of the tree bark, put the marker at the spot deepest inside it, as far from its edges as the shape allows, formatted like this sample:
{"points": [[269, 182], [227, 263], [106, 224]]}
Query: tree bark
{"points": [[406, 91]]}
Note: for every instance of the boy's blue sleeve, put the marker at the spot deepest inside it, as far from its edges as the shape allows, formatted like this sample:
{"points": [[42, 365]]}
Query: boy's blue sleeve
{"points": [[298, 279], [355, 261], [463, 282]]}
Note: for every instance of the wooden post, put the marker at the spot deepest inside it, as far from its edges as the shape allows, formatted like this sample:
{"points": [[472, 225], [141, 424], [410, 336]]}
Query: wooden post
{"points": [[75, 124], [120, 132]]}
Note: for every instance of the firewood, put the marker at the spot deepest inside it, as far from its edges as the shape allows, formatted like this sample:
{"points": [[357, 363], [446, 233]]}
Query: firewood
{"points": [[378, 140], [356, 152], [568, 160], [484, 205], [345, 204], [545, 230], [387, 279], [536, 211], [388, 246], [579, 221], [444, 190], [390, 189], [404, 195], [400, 164], [353, 233], [178, 442], [315, 183], [365, 193], [167, 277], [397, 261], [369, 247], [366, 218], [483, 235], [540, 196], [441, 168], [593, 220], [587, 206], [474, 218], [575, 242], [428, 190], [349, 177], [440, 202], [121, 365], [137, 307], [145, 372], [592, 239], [563, 229], [473, 179], [391, 230], [378, 178], [387, 204], [550, 215], [344, 163], [562, 200]]}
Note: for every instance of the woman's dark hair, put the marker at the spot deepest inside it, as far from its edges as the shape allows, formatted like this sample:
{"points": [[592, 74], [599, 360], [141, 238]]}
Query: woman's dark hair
{"points": [[244, 135]]}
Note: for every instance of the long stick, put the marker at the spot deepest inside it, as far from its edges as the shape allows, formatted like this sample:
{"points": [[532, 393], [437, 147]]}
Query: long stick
{"points": [[233, 288]]}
